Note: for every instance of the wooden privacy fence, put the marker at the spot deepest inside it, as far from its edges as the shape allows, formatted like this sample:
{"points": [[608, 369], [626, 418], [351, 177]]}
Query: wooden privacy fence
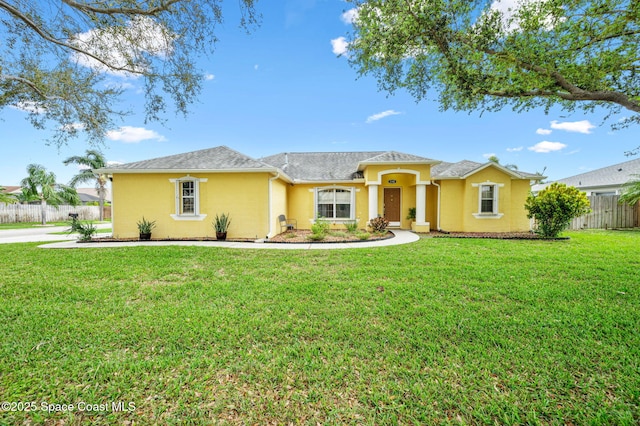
{"points": [[13, 213], [607, 212]]}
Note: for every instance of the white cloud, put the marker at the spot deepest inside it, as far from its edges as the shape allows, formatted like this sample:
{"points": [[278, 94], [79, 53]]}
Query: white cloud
{"points": [[209, 77], [30, 107], [381, 115], [546, 147], [491, 154], [130, 134], [349, 16], [509, 9], [339, 45], [517, 149], [73, 127], [256, 66], [583, 126], [123, 49], [544, 131]]}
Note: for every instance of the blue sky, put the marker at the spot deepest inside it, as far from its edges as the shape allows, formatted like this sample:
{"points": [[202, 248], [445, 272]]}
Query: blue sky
{"points": [[282, 88]]}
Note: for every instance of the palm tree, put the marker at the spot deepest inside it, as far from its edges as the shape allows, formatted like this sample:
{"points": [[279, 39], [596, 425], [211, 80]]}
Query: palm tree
{"points": [[91, 161], [6, 198], [496, 160], [42, 185], [631, 191]]}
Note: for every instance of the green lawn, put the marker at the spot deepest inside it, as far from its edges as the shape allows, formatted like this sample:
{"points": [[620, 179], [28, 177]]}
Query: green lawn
{"points": [[443, 331]]}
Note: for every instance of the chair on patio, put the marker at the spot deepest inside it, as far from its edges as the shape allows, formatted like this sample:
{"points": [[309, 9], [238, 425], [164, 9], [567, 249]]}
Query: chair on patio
{"points": [[287, 224]]}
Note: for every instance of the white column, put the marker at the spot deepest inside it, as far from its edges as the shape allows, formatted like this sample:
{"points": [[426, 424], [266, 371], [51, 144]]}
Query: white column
{"points": [[421, 203], [373, 201]]}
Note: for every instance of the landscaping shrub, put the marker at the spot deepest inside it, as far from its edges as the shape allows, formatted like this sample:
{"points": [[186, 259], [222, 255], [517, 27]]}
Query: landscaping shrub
{"points": [[378, 224], [321, 226], [555, 206], [86, 230], [352, 226]]}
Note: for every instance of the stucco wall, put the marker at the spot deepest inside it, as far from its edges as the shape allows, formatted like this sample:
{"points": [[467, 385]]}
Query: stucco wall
{"points": [[278, 204], [460, 200], [301, 203], [243, 195]]}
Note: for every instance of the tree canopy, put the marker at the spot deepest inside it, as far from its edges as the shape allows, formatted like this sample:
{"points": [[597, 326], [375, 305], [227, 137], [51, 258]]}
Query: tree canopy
{"points": [[55, 57], [489, 54]]}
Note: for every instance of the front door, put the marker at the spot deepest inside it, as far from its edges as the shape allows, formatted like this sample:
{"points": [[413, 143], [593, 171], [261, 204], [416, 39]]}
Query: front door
{"points": [[392, 206]]}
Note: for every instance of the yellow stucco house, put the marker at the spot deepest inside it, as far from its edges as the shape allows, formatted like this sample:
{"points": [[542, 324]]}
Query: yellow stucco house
{"points": [[184, 192]]}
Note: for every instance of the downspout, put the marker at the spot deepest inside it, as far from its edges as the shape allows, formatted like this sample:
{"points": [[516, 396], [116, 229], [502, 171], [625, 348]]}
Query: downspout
{"points": [[270, 231], [438, 208]]}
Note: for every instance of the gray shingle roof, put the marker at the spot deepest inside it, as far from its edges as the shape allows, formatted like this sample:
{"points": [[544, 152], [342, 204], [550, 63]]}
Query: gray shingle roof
{"points": [[453, 170], [618, 174], [335, 166], [398, 157], [299, 166], [218, 158], [462, 168], [319, 166], [613, 176]]}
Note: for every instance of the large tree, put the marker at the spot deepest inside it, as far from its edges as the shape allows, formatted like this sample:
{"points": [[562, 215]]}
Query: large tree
{"points": [[55, 57], [488, 54], [41, 185], [92, 160]]}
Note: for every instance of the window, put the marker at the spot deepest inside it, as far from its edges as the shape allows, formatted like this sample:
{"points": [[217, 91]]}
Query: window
{"points": [[334, 203], [187, 194], [188, 197], [488, 200]]}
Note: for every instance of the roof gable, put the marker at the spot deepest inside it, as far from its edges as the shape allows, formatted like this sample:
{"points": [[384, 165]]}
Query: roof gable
{"points": [[465, 168], [398, 158]]}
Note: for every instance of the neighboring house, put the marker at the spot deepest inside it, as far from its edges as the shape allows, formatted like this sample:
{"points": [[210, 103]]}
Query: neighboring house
{"points": [[90, 195], [184, 192], [604, 181]]}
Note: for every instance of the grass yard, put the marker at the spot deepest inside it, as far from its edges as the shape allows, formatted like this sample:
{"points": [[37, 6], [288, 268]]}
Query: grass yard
{"points": [[443, 331]]}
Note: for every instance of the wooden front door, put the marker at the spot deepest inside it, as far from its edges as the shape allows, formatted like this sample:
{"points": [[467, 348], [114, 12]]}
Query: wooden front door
{"points": [[392, 205]]}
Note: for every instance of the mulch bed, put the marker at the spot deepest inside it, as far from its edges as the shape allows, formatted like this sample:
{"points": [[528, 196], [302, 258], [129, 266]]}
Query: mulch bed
{"points": [[492, 235], [124, 240], [301, 236]]}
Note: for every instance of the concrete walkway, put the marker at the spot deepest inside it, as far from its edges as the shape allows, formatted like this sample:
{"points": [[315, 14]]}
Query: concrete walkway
{"points": [[401, 237]]}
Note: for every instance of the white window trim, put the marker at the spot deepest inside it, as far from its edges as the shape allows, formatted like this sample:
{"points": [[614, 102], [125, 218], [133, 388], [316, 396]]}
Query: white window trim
{"points": [[496, 207], [178, 199], [352, 202]]}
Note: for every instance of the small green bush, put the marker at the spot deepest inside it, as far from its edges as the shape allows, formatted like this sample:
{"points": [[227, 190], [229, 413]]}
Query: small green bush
{"points": [[320, 227], [86, 230], [316, 237], [363, 236], [352, 226], [378, 224], [555, 206]]}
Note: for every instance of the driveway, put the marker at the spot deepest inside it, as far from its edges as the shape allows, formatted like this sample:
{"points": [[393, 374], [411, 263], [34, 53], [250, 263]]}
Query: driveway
{"points": [[40, 233]]}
